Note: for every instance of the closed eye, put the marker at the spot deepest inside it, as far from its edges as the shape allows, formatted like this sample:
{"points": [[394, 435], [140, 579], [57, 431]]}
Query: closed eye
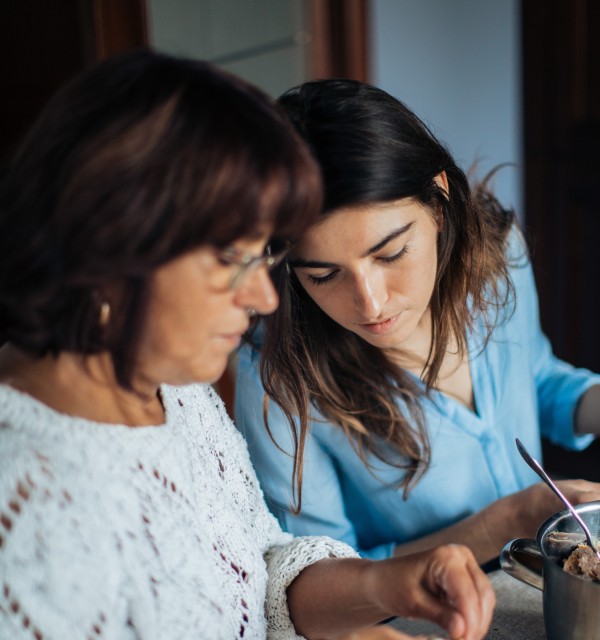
{"points": [[321, 279], [395, 257]]}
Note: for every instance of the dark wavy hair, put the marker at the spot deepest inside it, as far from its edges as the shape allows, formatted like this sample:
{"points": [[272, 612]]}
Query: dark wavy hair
{"points": [[140, 159], [372, 149]]}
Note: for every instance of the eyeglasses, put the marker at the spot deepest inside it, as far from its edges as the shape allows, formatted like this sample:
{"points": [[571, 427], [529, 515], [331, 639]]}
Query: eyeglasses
{"points": [[246, 264]]}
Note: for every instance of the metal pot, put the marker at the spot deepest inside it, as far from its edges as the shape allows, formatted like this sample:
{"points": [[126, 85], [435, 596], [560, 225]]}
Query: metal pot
{"points": [[571, 604]]}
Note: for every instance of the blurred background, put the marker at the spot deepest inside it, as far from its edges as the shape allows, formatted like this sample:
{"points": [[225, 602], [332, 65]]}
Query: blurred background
{"points": [[502, 82]]}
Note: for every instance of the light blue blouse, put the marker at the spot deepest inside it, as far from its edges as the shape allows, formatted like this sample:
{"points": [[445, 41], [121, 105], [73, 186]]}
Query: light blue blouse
{"points": [[521, 391]]}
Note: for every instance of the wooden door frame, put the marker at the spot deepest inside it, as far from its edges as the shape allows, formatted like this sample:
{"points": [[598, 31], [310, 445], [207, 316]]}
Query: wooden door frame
{"points": [[339, 31], [111, 26], [338, 28]]}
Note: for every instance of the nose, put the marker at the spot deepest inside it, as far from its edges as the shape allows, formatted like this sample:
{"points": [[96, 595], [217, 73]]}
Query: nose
{"points": [[370, 295], [257, 292]]}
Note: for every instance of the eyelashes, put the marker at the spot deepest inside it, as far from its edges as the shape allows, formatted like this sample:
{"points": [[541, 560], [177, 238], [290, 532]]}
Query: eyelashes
{"points": [[320, 280], [396, 256]]}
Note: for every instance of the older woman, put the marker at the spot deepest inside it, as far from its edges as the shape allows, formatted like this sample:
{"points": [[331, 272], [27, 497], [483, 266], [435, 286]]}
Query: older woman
{"points": [[137, 224]]}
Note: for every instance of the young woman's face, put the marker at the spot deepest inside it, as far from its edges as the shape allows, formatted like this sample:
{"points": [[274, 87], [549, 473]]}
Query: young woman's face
{"points": [[195, 319], [372, 269]]}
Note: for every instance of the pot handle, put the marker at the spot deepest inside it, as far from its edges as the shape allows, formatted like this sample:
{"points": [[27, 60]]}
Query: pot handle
{"points": [[516, 568]]}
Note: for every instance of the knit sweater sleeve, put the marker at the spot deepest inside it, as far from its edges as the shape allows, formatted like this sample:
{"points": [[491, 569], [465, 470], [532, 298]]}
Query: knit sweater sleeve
{"points": [[285, 555], [284, 562], [60, 575]]}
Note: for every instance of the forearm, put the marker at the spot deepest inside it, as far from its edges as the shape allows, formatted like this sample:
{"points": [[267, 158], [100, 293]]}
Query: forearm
{"points": [[587, 414], [444, 585], [515, 516], [332, 597], [473, 532], [485, 532]]}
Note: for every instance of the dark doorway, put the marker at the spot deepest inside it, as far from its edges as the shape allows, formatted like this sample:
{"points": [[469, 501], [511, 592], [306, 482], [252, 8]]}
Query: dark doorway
{"points": [[561, 69]]}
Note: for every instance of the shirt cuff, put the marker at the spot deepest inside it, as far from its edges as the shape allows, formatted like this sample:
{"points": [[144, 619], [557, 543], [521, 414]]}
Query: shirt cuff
{"points": [[564, 414]]}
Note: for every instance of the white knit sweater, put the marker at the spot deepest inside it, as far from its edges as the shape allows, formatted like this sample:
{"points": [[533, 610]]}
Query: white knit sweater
{"points": [[110, 532]]}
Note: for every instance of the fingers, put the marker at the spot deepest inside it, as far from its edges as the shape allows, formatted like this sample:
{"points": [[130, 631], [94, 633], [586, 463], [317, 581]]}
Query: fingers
{"points": [[444, 585], [578, 491], [531, 506], [465, 598]]}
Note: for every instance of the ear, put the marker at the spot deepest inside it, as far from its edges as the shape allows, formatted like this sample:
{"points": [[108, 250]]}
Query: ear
{"points": [[442, 182]]}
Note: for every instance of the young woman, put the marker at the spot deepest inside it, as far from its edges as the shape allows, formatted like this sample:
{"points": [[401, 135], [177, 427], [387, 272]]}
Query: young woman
{"points": [[406, 354], [133, 231]]}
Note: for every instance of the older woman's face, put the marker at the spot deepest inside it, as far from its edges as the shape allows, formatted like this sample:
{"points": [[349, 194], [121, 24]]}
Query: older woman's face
{"points": [[372, 269], [195, 320]]}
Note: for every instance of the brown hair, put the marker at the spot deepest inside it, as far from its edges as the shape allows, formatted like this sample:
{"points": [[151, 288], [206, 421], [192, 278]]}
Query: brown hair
{"points": [[371, 148], [140, 159]]}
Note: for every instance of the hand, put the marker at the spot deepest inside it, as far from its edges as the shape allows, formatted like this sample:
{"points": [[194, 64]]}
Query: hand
{"points": [[444, 585], [520, 514], [515, 516]]}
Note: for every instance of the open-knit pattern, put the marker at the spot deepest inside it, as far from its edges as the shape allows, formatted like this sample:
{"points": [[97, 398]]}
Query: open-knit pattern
{"points": [[145, 533]]}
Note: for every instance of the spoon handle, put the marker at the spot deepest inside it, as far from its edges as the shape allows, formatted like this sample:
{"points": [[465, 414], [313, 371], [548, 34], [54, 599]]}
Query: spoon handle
{"points": [[537, 467]]}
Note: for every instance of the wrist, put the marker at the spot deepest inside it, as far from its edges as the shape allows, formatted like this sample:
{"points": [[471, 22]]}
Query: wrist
{"points": [[374, 588], [497, 525]]}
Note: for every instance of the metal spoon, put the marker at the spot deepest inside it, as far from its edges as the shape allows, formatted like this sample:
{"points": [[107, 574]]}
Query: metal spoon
{"points": [[537, 467]]}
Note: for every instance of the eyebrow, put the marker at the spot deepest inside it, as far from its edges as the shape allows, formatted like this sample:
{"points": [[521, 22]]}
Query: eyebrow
{"points": [[316, 264]]}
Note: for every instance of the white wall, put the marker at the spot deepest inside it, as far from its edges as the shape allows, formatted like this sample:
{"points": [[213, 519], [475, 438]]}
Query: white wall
{"points": [[264, 41], [456, 63]]}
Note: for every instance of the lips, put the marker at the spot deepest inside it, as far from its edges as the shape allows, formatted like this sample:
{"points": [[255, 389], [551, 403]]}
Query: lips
{"points": [[381, 328], [237, 331], [231, 340], [235, 336]]}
